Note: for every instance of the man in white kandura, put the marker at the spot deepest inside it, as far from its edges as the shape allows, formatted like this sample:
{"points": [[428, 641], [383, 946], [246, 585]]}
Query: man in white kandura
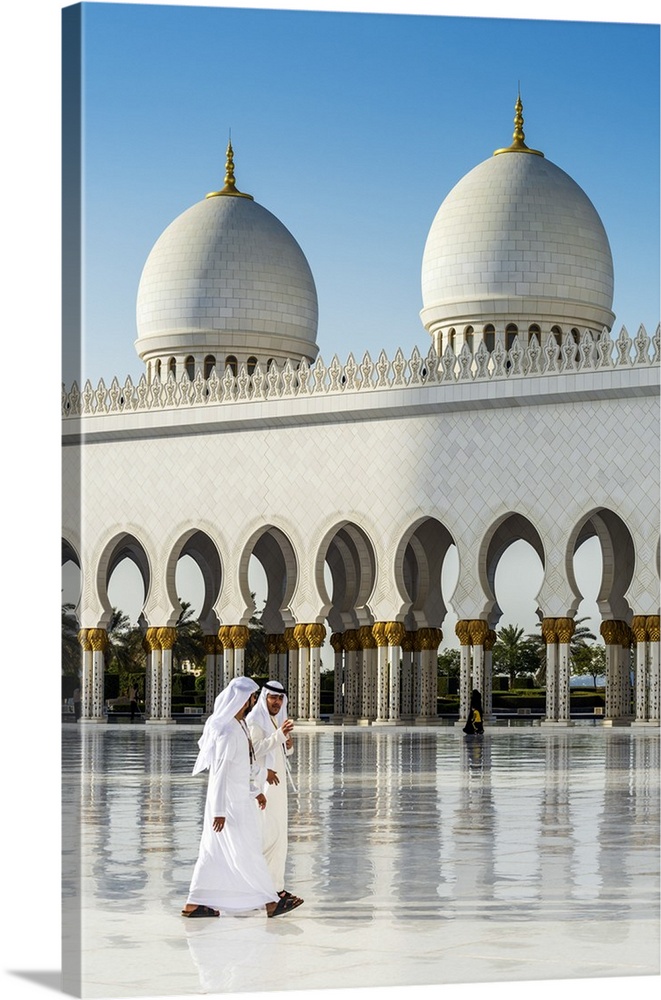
{"points": [[231, 873], [271, 733]]}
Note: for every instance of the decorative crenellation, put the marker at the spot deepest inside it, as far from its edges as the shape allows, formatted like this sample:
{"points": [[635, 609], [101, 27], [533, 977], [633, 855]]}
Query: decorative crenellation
{"points": [[531, 359]]}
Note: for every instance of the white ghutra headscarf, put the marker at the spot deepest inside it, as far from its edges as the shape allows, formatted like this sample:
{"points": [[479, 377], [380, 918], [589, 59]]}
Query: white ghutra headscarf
{"points": [[260, 713], [226, 705], [261, 717]]}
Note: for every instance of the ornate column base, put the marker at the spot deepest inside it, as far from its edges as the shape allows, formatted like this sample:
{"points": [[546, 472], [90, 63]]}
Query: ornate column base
{"points": [[160, 722], [645, 724], [557, 724], [93, 722], [615, 721], [426, 720], [364, 722]]}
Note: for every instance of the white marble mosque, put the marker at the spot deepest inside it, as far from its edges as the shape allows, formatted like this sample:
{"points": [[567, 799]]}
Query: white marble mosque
{"points": [[530, 416]]}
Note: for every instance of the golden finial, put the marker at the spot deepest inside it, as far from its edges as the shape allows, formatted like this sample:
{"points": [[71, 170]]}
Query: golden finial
{"points": [[518, 136], [230, 183]]}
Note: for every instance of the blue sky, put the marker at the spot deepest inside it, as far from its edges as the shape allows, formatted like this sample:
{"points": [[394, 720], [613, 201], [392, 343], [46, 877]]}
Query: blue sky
{"points": [[351, 128]]}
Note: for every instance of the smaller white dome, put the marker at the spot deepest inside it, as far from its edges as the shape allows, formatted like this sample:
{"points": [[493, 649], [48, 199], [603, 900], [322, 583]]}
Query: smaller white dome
{"points": [[517, 240], [227, 278]]}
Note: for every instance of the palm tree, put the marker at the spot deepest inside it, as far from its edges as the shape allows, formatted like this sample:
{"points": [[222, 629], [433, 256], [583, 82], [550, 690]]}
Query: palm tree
{"points": [[514, 653], [71, 653], [189, 644]]}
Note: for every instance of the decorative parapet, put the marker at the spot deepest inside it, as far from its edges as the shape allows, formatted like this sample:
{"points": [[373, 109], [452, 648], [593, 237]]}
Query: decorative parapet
{"points": [[532, 360]]}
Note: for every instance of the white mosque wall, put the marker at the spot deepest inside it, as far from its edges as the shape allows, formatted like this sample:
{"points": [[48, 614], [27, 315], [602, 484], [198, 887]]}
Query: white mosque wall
{"points": [[394, 456]]}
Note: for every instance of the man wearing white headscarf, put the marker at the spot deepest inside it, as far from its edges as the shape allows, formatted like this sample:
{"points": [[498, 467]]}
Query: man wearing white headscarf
{"points": [[271, 734], [230, 873]]}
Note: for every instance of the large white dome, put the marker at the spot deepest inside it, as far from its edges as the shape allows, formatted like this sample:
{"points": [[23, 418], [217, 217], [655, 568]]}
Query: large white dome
{"points": [[226, 278], [517, 241]]}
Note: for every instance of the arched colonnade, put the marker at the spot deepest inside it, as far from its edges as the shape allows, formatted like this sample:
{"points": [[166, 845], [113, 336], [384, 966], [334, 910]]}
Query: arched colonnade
{"points": [[337, 591]]}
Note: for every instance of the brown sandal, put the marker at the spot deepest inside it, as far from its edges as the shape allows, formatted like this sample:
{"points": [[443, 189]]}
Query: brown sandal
{"points": [[201, 911]]}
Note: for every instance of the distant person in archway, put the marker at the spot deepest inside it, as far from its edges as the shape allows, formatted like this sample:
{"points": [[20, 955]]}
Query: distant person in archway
{"points": [[474, 723]]}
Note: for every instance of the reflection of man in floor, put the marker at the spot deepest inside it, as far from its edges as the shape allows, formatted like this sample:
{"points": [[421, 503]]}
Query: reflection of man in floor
{"points": [[231, 873], [271, 733]]}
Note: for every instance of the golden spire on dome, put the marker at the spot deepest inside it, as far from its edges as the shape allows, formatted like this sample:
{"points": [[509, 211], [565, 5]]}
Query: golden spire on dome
{"points": [[230, 183], [518, 136]]}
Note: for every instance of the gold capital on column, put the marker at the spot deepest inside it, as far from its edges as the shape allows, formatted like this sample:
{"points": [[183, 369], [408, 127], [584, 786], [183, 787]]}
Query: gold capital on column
{"points": [[210, 645], [272, 642], [366, 637], [653, 623], [84, 639], [282, 644], [407, 643], [225, 636], [639, 628], [351, 640], [491, 640], [315, 633], [609, 632], [478, 631], [300, 635], [463, 632], [98, 638], [336, 641], [151, 638], [395, 633], [549, 631], [625, 635], [379, 634], [565, 629], [167, 637], [240, 635], [290, 639]]}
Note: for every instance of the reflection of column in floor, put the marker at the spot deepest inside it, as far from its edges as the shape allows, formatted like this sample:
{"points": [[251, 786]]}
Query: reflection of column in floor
{"points": [[473, 863], [418, 877], [556, 846], [309, 818], [627, 847]]}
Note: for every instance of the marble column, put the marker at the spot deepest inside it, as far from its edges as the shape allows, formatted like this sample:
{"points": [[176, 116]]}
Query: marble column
{"points": [[292, 672], [225, 636], [395, 633], [213, 649], [155, 661], [479, 633], [429, 640], [462, 630], [315, 633], [337, 645], [379, 634], [557, 633], [86, 674], [487, 694], [351, 643], [618, 693], [407, 676], [167, 638], [645, 631], [272, 642], [303, 699], [240, 636], [367, 676]]}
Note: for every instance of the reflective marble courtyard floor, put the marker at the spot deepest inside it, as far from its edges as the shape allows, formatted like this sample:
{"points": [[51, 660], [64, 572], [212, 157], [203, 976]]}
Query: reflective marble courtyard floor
{"points": [[424, 857]]}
